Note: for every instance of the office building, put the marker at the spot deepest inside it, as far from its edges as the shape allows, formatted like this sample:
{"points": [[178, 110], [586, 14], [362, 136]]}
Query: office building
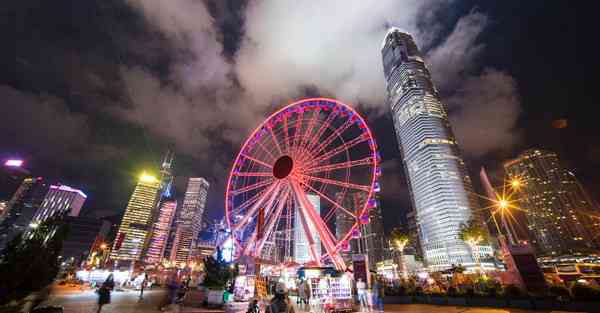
{"points": [[189, 221], [370, 239], [302, 252], [438, 182], [61, 200], [21, 208], [556, 208], [160, 232], [137, 222]]}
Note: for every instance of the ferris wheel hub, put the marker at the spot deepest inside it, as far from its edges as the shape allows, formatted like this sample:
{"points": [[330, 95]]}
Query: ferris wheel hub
{"points": [[283, 167]]}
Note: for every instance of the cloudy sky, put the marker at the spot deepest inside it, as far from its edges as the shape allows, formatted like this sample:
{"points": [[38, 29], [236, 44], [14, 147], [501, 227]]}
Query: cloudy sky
{"points": [[97, 91]]}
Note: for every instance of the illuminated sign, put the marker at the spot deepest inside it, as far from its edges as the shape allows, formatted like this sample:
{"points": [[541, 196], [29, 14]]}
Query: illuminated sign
{"points": [[13, 163]]}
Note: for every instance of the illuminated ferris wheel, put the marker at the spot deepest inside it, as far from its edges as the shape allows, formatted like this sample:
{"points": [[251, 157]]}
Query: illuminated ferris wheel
{"points": [[302, 184]]}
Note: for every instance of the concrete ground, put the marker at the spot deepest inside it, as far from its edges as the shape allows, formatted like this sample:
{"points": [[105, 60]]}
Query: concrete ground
{"points": [[75, 300]]}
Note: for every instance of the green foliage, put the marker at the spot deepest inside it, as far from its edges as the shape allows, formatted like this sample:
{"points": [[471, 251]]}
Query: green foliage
{"points": [[585, 293], [398, 236], [30, 263], [218, 273], [473, 231]]}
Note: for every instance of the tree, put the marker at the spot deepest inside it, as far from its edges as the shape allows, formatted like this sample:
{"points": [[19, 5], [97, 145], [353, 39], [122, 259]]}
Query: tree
{"points": [[218, 272], [31, 261], [399, 240], [473, 233]]}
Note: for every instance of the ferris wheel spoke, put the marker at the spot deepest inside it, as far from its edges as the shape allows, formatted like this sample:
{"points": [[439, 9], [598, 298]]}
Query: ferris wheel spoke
{"points": [[337, 183], [341, 165], [286, 135], [326, 123], [336, 134], [272, 191], [249, 202], [335, 204], [263, 163], [262, 146], [308, 211], [275, 140], [298, 130], [254, 174], [343, 147], [271, 223], [306, 138], [252, 187]]}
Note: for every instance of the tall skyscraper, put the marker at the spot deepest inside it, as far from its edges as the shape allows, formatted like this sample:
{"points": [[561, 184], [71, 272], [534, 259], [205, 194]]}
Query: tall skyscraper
{"points": [[21, 208], [160, 232], [60, 200], [137, 221], [190, 219], [301, 245], [372, 238], [555, 205], [439, 185]]}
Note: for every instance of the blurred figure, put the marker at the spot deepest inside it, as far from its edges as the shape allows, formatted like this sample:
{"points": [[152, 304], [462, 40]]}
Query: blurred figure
{"points": [[377, 295], [144, 282], [280, 302], [361, 291], [104, 292], [172, 290]]}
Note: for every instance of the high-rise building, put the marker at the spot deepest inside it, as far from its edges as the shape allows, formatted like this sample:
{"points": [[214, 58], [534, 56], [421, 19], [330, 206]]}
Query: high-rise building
{"points": [[439, 185], [371, 239], [21, 208], [60, 200], [160, 232], [137, 221], [301, 245], [555, 205], [189, 221]]}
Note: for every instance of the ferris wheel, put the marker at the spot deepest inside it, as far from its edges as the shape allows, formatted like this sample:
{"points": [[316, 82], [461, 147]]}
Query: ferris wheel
{"points": [[302, 184]]}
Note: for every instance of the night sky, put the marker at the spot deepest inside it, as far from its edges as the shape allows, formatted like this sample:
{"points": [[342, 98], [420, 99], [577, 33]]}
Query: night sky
{"points": [[94, 92]]}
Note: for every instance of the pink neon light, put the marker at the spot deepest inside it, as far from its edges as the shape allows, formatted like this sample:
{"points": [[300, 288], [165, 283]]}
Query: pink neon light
{"points": [[13, 163], [311, 154]]}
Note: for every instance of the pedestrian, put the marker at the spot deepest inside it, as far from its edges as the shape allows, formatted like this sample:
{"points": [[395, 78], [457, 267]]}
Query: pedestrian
{"points": [[302, 294], [172, 290], [280, 302], [377, 295], [144, 281], [361, 291], [307, 291], [104, 292]]}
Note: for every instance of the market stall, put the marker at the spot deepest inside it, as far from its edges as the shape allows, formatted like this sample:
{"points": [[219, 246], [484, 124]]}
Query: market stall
{"points": [[331, 291]]}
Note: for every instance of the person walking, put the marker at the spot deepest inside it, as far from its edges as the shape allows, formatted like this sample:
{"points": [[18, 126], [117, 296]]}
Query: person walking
{"points": [[303, 294], [361, 291], [377, 295], [144, 282], [172, 290], [280, 302], [104, 292]]}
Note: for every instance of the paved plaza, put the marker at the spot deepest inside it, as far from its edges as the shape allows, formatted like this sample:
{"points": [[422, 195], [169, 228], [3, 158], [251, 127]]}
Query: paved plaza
{"points": [[75, 300]]}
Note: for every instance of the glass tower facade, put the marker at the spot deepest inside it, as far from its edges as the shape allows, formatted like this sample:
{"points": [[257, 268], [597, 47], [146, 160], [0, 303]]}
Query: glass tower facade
{"points": [[440, 187], [60, 199], [189, 222], [137, 221], [21, 208], [556, 207], [301, 246], [160, 232]]}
